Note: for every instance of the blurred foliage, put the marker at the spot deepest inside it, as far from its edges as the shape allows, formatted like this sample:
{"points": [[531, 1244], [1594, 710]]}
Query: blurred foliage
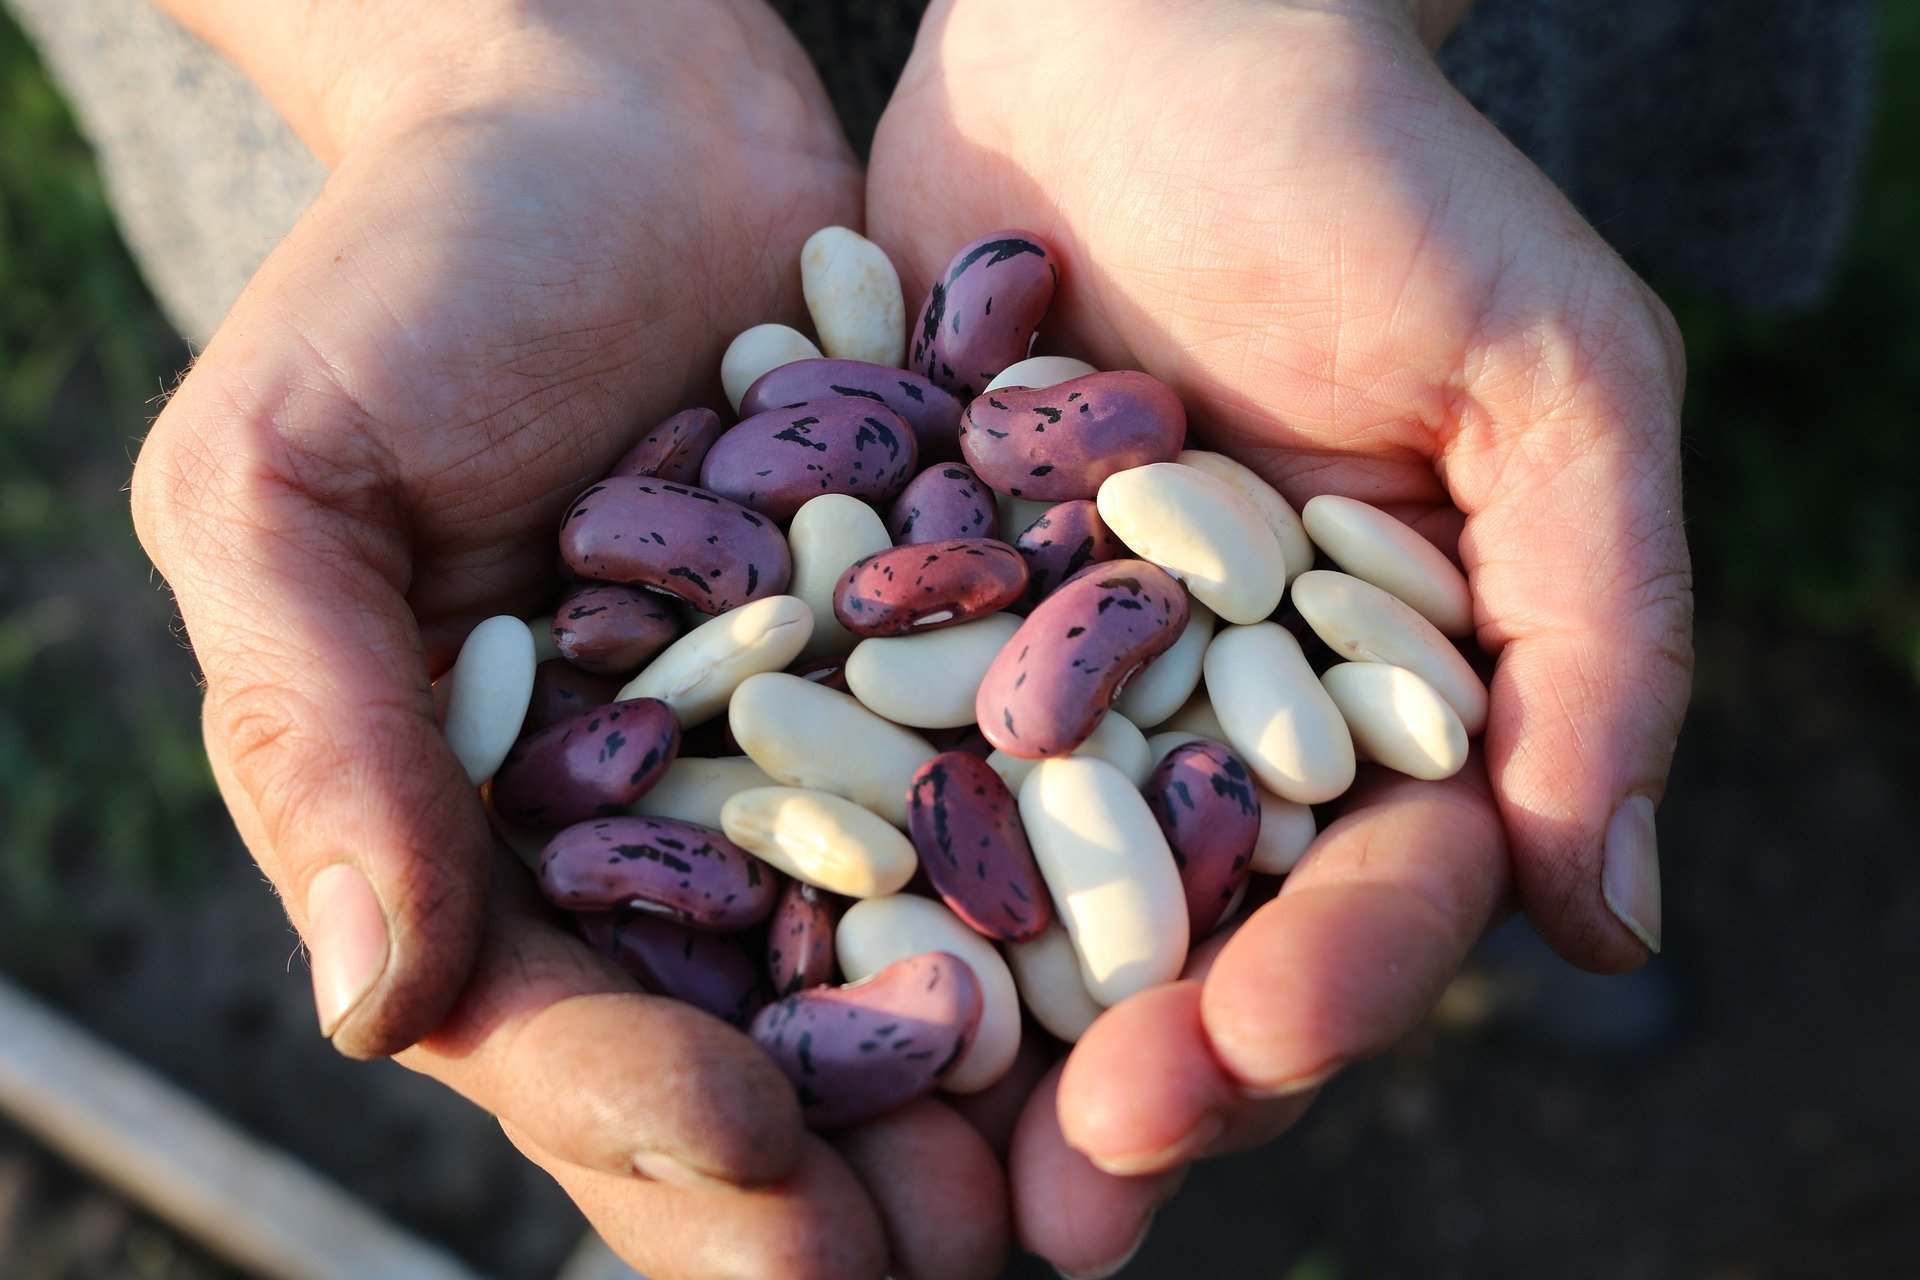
{"points": [[100, 764]]}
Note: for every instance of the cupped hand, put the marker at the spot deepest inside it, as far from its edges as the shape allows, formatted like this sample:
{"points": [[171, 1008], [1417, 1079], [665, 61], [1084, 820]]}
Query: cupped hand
{"points": [[528, 253], [1358, 287]]}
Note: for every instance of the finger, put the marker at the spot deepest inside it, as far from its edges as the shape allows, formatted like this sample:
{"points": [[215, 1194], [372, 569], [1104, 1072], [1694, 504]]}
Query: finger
{"points": [[817, 1224], [1087, 1223], [940, 1191], [995, 1110], [1583, 586], [1362, 939]]}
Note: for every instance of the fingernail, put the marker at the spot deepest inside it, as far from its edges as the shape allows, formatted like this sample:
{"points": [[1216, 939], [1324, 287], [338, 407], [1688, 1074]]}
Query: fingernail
{"points": [[347, 938], [1197, 1140], [661, 1167], [1114, 1267], [1630, 874], [1294, 1087]]}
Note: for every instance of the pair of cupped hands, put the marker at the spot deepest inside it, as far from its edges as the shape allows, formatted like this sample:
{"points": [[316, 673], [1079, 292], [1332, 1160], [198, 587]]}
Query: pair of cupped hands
{"points": [[544, 223]]}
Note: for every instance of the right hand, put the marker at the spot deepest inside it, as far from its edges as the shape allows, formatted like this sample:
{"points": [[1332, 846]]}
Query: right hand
{"points": [[535, 243]]}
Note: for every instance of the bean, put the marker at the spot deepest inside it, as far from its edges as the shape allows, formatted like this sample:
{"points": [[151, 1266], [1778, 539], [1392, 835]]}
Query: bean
{"points": [[756, 352], [1162, 687], [1265, 499], [674, 449], [983, 311], [1017, 515], [486, 694], [1063, 541], [684, 873], [1046, 968], [800, 938], [1365, 624], [1057, 443], [543, 645], [700, 671], [856, 1053], [828, 535], [1040, 371], [853, 295], [774, 461], [966, 828], [592, 765], [1397, 719], [691, 544], [829, 672], [942, 503], [695, 789], [1273, 712], [928, 585], [1049, 687], [1200, 530], [931, 411], [827, 841], [562, 691], [1374, 547], [1115, 739], [928, 680], [1286, 829], [1204, 800], [805, 735], [716, 972], [612, 631]]}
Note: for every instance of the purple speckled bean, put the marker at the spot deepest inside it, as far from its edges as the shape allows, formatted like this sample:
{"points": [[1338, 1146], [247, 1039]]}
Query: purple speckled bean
{"points": [[800, 938], [1080, 646], [710, 740], [942, 503], [1053, 444], [1061, 543], [982, 312], [830, 670], [966, 827], [714, 554], [593, 764], [717, 972], [931, 411], [612, 631], [673, 450], [660, 866], [1203, 799], [774, 461], [855, 1053], [562, 691], [966, 737], [928, 585]]}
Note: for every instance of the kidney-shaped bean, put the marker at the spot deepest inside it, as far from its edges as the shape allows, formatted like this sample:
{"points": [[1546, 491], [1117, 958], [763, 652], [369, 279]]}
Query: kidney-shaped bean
{"points": [[1057, 443], [659, 866], [714, 554], [1205, 802], [800, 938], [944, 502], [982, 312], [717, 972], [931, 411], [929, 584], [966, 827], [674, 449], [612, 630], [1061, 543], [592, 764], [854, 1053], [1049, 687], [774, 461], [562, 691]]}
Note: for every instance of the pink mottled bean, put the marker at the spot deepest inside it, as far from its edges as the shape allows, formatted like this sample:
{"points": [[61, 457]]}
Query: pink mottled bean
{"points": [[800, 938], [940, 504], [611, 630], [775, 461], [674, 449], [562, 691], [966, 827], [928, 585], [660, 866], [829, 670], [931, 411], [1054, 444], [983, 311], [1204, 800], [855, 1053], [1047, 690], [1062, 542], [714, 554], [592, 764], [717, 972]]}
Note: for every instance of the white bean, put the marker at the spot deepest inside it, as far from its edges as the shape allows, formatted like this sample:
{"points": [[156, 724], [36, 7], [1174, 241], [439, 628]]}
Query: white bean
{"points": [[695, 789], [1374, 547], [1398, 719], [1047, 971], [544, 646], [1273, 508], [696, 674], [1275, 714], [1156, 693], [1364, 623], [755, 351], [928, 679], [1016, 515], [1197, 716], [827, 535], [488, 690], [1201, 530], [853, 295], [1040, 371], [1116, 739], [828, 842], [807, 735]]}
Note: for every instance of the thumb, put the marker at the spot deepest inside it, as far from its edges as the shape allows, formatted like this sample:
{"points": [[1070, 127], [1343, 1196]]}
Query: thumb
{"points": [[290, 572]]}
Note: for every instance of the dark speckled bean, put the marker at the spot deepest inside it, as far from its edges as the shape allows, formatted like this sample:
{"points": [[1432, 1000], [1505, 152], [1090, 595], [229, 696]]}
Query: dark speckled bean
{"points": [[966, 827], [673, 450], [1047, 690], [1061, 543], [800, 938], [660, 866], [981, 314], [611, 630], [1052, 444], [855, 1053], [562, 691], [830, 670], [942, 503], [774, 461], [1203, 799], [717, 972], [966, 737], [931, 411], [595, 763], [714, 554], [928, 585]]}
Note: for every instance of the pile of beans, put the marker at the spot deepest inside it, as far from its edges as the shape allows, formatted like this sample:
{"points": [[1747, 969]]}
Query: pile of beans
{"points": [[859, 690]]}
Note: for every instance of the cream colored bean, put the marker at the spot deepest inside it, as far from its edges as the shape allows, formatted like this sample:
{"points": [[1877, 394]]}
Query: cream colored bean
{"points": [[1274, 509], [827, 535], [756, 350], [1109, 872], [807, 735], [1041, 371], [1116, 739], [1017, 514], [1047, 971], [1197, 717], [1397, 719], [694, 789], [1286, 828], [697, 673], [828, 842], [544, 646], [1276, 716], [1374, 547], [1157, 693], [1364, 623], [1201, 530], [928, 679], [523, 844], [853, 295], [487, 692], [878, 931]]}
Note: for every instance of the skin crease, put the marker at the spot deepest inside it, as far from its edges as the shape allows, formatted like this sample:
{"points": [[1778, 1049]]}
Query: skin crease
{"points": [[503, 286]]}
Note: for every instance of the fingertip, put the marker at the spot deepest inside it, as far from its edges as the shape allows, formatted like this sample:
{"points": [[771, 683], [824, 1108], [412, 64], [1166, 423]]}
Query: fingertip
{"points": [[1085, 1222], [1141, 1093], [940, 1191]]}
